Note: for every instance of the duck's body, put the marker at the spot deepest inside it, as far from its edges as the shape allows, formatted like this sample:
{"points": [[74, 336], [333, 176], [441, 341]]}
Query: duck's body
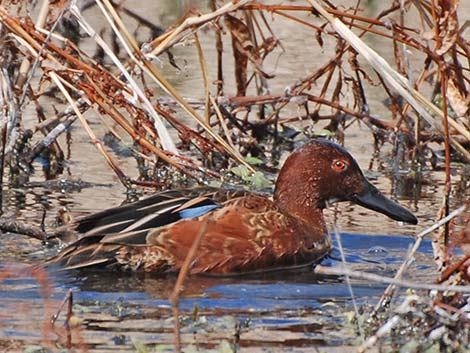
{"points": [[243, 232]]}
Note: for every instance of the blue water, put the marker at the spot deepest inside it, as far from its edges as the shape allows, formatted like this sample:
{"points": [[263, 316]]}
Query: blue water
{"points": [[276, 301], [381, 254]]}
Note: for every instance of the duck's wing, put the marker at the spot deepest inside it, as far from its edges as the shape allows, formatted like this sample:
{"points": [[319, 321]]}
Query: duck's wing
{"points": [[154, 211], [106, 233], [248, 234]]}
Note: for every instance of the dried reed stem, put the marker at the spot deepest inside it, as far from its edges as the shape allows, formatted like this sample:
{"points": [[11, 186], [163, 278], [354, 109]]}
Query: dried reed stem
{"points": [[178, 288], [410, 255]]}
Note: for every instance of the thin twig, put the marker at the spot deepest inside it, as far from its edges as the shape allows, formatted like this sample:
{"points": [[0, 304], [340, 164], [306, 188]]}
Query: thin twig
{"points": [[178, 288], [152, 71], [165, 137], [12, 226], [57, 80], [448, 186], [401, 84], [25, 64], [68, 318], [2, 162], [385, 329], [342, 271], [419, 238], [66, 299], [40, 23], [205, 79], [191, 23], [350, 288], [220, 116]]}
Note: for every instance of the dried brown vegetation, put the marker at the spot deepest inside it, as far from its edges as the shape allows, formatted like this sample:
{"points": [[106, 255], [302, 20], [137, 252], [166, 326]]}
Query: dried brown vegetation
{"points": [[428, 95], [39, 62]]}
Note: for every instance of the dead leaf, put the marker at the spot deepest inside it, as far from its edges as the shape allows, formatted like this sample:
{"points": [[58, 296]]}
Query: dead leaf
{"points": [[456, 99], [242, 47], [448, 27], [243, 50]]}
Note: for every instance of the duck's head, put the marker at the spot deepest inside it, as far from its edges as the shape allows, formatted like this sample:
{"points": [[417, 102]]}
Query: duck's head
{"points": [[322, 172]]}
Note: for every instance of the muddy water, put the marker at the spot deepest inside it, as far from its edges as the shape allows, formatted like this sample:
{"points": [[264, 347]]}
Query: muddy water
{"points": [[279, 312]]}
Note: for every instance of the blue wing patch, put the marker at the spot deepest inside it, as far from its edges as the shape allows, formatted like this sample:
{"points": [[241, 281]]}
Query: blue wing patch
{"points": [[197, 211]]}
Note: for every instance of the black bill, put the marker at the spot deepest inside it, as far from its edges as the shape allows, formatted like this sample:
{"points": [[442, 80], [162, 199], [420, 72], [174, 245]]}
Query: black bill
{"points": [[373, 199]]}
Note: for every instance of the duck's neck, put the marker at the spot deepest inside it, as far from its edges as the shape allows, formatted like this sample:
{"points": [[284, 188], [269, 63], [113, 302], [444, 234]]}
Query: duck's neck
{"points": [[304, 209], [298, 194]]}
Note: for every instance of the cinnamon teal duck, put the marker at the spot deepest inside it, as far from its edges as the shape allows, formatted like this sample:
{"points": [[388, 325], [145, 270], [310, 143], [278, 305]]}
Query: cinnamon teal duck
{"points": [[245, 231]]}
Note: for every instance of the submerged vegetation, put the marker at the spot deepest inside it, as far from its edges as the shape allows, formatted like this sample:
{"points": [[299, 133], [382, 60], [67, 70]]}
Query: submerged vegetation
{"points": [[101, 67]]}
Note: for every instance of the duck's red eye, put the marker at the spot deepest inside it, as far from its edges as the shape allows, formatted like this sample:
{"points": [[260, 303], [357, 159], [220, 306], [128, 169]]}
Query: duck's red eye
{"points": [[339, 165]]}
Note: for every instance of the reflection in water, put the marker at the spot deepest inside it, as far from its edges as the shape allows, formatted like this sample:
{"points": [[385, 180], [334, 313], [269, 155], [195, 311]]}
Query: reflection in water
{"points": [[407, 186], [289, 308]]}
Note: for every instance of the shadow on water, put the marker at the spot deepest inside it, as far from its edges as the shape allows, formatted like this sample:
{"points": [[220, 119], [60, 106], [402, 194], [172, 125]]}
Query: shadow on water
{"points": [[278, 309]]}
